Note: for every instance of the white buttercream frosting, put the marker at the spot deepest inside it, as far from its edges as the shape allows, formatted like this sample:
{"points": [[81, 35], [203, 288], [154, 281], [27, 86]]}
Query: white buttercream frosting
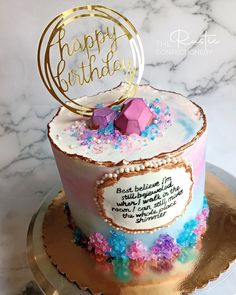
{"points": [[186, 119]]}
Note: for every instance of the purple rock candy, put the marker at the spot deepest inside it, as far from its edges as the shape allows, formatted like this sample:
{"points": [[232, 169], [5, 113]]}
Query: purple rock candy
{"points": [[102, 117], [134, 117]]}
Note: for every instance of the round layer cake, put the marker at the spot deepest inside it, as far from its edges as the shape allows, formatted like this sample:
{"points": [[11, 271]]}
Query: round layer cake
{"points": [[137, 197]]}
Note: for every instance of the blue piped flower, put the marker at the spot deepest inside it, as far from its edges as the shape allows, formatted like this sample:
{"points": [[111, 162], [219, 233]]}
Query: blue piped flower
{"points": [[187, 254], [187, 238], [205, 203], [79, 237], [118, 245], [121, 269]]}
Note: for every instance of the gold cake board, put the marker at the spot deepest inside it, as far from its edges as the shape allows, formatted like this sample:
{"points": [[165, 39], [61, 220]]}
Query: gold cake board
{"points": [[74, 267]]}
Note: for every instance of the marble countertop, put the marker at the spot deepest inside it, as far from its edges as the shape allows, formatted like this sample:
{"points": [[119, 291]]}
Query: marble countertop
{"points": [[190, 47]]}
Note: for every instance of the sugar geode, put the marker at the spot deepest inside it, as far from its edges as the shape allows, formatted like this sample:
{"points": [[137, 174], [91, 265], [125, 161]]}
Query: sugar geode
{"points": [[102, 117], [135, 117]]}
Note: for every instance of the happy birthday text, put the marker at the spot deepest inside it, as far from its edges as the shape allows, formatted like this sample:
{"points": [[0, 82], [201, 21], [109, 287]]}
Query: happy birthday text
{"points": [[86, 52]]}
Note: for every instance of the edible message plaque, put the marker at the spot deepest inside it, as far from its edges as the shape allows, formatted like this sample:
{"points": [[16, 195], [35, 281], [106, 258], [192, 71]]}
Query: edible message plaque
{"points": [[146, 200]]}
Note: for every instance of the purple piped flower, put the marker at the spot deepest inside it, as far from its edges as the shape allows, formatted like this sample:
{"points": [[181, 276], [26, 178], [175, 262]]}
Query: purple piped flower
{"points": [[165, 248]]}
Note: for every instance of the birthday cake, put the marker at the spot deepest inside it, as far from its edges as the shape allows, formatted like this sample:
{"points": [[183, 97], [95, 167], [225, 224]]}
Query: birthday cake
{"points": [[131, 159], [134, 177]]}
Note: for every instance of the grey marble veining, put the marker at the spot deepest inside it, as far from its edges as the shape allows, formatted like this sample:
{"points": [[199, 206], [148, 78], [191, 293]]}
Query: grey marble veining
{"points": [[27, 168]]}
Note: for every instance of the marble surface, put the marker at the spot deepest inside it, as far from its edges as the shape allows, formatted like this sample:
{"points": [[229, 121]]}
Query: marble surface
{"points": [[204, 71]]}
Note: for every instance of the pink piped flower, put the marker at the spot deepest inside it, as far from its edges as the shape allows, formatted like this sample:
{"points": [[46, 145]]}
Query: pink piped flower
{"points": [[205, 212], [137, 251], [152, 256], [199, 217], [137, 267], [203, 215], [200, 229], [199, 244], [99, 244]]}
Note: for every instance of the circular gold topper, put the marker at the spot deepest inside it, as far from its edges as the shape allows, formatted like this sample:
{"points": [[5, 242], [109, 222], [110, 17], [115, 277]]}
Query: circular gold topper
{"points": [[84, 46]]}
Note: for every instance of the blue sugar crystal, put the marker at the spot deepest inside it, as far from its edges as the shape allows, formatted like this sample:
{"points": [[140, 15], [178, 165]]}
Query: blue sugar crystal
{"points": [[89, 138], [144, 133], [109, 129], [119, 138], [157, 110], [99, 105], [116, 107]]}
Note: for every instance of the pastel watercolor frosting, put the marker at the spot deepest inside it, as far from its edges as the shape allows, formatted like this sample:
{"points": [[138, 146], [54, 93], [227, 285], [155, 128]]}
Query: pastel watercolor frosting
{"points": [[88, 149], [127, 257]]}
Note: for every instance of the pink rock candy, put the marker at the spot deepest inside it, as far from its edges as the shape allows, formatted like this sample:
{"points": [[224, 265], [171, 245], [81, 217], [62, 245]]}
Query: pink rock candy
{"points": [[134, 118]]}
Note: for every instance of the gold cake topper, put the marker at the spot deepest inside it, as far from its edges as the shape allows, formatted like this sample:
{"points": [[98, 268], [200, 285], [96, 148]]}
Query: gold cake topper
{"points": [[71, 57]]}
